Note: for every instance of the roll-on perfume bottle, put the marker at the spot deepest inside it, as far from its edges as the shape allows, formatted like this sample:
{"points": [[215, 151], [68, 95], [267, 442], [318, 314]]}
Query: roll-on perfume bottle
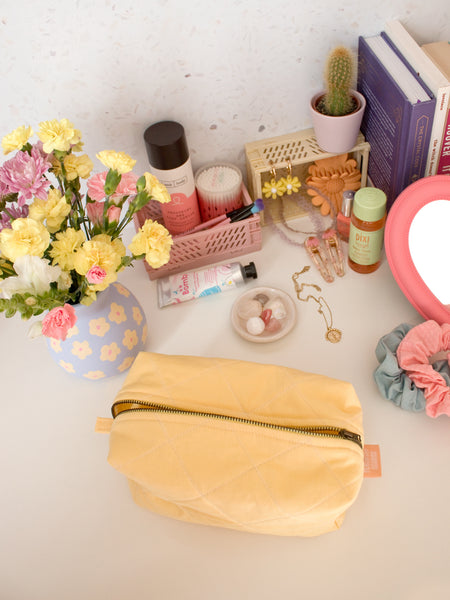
{"points": [[170, 162], [344, 216]]}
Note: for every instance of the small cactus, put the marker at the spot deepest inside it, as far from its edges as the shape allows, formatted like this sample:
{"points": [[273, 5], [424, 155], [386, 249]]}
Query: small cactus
{"points": [[339, 75]]}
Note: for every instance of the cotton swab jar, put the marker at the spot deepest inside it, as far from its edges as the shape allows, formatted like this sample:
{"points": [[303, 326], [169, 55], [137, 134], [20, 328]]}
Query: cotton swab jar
{"points": [[219, 189]]}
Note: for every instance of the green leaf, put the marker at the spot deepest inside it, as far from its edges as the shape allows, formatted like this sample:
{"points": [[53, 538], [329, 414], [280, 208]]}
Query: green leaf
{"points": [[140, 183], [112, 181]]}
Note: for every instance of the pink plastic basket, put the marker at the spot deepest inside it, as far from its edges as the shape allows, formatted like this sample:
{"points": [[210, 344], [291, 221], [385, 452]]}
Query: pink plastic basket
{"points": [[205, 247]]}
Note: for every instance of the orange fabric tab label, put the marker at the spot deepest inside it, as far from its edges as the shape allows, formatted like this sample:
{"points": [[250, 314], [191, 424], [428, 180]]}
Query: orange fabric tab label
{"points": [[372, 460], [103, 425]]}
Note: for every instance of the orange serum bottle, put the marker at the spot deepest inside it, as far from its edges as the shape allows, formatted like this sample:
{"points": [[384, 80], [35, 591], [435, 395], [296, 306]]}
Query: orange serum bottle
{"points": [[367, 230]]}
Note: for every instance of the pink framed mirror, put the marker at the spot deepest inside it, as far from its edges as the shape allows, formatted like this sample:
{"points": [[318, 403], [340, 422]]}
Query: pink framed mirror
{"points": [[416, 240]]}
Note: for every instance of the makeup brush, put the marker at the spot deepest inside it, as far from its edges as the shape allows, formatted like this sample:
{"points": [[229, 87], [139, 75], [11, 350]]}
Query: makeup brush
{"points": [[244, 212]]}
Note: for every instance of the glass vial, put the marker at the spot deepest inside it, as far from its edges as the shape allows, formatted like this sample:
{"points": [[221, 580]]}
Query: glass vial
{"points": [[344, 215], [169, 159], [367, 230]]}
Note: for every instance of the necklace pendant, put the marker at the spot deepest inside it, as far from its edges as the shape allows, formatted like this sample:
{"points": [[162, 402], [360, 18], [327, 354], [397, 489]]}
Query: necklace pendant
{"points": [[333, 335]]}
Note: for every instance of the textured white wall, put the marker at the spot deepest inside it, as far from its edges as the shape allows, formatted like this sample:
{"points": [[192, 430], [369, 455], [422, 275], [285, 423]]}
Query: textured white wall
{"points": [[231, 71]]}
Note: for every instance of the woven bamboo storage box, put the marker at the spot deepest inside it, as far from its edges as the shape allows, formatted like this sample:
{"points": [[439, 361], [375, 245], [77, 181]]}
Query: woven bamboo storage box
{"points": [[302, 150], [195, 250]]}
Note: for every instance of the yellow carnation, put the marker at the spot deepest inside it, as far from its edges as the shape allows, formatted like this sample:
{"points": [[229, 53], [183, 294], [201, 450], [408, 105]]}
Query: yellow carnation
{"points": [[37, 210], [55, 209], [119, 161], [64, 247], [26, 236], [77, 166], [154, 241], [116, 243], [58, 135], [156, 189], [16, 139], [101, 252]]}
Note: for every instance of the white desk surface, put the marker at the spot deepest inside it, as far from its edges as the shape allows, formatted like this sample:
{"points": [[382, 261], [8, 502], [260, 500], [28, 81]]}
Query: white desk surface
{"points": [[70, 530]]}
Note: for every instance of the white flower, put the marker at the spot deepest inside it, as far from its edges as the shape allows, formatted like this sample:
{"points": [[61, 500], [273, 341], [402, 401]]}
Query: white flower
{"points": [[35, 330], [34, 276]]}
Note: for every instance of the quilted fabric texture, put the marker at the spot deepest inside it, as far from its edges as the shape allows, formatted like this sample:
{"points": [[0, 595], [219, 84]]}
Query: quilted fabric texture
{"points": [[238, 474]]}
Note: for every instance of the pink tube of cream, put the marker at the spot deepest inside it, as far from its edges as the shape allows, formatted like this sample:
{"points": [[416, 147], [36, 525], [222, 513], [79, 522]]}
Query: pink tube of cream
{"points": [[182, 287]]}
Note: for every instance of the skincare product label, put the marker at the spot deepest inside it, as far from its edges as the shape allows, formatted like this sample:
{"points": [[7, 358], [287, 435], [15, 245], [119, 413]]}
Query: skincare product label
{"points": [[364, 247], [182, 212]]}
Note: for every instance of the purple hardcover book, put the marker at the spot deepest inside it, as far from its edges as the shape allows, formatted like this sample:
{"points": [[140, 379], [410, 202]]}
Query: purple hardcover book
{"points": [[396, 124]]}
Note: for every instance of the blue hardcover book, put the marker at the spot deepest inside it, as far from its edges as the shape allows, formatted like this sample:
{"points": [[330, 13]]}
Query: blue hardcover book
{"points": [[398, 118]]}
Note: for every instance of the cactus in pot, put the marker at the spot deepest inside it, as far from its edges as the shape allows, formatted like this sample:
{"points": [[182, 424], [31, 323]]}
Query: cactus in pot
{"points": [[338, 99], [337, 111]]}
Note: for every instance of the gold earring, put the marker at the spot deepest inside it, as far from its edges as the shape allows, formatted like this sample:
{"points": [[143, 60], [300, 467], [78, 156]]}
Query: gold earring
{"points": [[273, 188], [291, 184]]}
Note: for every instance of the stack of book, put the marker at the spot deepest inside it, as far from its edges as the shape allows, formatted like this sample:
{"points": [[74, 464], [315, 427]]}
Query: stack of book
{"points": [[406, 120]]}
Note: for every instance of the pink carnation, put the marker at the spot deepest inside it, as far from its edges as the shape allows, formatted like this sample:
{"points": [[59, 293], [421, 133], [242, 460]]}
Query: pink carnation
{"points": [[24, 174], [96, 186], [95, 275], [16, 212], [126, 187], [58, 321], [95, 212]]}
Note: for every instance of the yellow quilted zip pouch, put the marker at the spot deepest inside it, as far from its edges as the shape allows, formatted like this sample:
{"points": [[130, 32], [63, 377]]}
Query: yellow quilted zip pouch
{"points": [[258, 448]]}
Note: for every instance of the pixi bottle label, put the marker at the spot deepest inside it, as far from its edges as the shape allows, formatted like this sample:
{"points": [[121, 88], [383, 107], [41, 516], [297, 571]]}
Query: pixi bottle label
{"points": [[364, 247]]}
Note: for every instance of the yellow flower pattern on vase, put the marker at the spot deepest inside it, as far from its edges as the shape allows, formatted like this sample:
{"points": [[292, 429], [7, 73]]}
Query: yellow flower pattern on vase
{"points": [[107, 337], [130, 339], [126, 364], [66, 366], [81, 349], [99, 326], [56, 345], [117, 313], [137, 315], [123, 290], [110, 352]]}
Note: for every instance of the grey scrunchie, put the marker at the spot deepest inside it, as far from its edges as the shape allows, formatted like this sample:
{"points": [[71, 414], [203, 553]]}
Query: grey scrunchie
{"points": [[392, 381]]}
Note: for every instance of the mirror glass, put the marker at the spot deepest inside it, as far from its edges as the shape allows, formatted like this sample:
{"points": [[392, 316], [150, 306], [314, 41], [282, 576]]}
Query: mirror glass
{"points": [[428, 245], [416, 235]]}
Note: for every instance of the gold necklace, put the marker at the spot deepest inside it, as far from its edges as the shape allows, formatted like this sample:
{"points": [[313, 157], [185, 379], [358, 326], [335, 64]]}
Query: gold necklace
{"points": [[332, 334]]}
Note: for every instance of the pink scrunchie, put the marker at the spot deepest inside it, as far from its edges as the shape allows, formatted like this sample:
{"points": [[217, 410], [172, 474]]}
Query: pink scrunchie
{"points": [[413, 352]]}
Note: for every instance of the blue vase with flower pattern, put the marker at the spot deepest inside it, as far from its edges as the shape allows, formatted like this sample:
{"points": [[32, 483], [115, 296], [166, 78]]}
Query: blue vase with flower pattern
{"points": [[106, 338]]}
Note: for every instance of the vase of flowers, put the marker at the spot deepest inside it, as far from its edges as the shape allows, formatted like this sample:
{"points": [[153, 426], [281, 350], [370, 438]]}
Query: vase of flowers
{"points": [[60, 247]]}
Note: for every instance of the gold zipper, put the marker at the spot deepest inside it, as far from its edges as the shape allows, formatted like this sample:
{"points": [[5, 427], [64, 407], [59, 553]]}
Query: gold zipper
{"points": [[320, 431]]}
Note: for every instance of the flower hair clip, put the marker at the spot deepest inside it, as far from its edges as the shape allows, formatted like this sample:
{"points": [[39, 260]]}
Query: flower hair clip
{"points": [[329, 253]]}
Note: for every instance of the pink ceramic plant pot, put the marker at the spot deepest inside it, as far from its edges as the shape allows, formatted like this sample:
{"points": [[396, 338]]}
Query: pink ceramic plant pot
{"points": [[337, 134]]}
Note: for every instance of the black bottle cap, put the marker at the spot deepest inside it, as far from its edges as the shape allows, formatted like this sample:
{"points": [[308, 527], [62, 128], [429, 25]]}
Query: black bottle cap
{"points": [[166, 145], [250, 270]]}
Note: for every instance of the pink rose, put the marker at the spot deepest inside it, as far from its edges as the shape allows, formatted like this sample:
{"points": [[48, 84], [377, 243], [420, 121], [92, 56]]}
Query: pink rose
{"points": [[95, 274], [58, 321]]}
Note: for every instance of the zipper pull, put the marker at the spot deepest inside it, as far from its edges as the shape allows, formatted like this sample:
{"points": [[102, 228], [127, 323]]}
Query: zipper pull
{"points": [[349, 435]]}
